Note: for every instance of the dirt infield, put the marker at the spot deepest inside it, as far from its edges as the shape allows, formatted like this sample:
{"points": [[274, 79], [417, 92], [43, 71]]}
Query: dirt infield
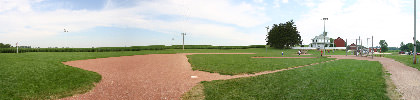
{"points": [[406, 79], [154, 76], [283, 57]]}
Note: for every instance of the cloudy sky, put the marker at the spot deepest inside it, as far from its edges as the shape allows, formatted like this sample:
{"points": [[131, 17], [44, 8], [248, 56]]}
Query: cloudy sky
{"points": [[100, 23]]}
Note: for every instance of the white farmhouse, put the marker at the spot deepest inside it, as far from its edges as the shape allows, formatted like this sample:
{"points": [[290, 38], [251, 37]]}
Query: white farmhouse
{"points": [[318, 42]]}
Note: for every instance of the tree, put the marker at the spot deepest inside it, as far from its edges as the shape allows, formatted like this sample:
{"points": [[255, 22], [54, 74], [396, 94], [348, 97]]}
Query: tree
{"points": [[5, 45], [283, 35], [384, 45], [332, 41], [403, 47]]}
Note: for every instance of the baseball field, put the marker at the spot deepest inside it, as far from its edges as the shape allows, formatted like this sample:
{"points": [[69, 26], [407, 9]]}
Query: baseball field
{"points": [[196, 74]]}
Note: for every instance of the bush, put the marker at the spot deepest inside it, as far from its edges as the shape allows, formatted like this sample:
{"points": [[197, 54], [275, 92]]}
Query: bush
{"points": [[257, 46]]}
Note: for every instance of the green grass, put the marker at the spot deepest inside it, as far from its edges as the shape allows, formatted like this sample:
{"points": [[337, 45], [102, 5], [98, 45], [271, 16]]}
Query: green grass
{"points": [[338, 52], [405, 59], [231, 64], [43, 76], [342, 79]]}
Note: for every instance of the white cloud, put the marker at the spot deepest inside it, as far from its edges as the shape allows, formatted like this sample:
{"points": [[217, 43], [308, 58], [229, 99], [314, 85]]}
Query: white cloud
{"points": [[384, 19], [259, 1], [276, 3], [216, 18], [285, 1], [309, 3], [241, 14], [19, 5]]}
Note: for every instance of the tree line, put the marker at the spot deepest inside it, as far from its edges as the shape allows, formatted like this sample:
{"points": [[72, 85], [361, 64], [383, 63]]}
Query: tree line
{"points": [[409, 46], [5, 45]]}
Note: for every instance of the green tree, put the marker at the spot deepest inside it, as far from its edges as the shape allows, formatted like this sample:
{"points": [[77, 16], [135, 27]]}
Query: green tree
{"points": [[384, 45], [332, 41], [403, 47], [410, 46], [283, 35], [5, 45]]}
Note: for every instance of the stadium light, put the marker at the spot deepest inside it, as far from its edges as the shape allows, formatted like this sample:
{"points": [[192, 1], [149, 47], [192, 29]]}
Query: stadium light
{"points": [[414, 38], [183, 34], [325, 34]]}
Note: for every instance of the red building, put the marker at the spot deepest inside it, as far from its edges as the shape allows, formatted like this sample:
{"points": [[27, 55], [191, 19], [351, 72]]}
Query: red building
{"points": [[375, 49], [353, 46], [339, 42]]}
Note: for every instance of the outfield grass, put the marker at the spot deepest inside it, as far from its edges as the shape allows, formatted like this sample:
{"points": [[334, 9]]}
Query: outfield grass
{"points": [[231, 64], [342, 79], [41, 75]]}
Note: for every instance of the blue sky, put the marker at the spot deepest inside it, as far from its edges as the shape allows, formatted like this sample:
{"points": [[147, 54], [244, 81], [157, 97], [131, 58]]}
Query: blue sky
{"points": [[110, 23]]}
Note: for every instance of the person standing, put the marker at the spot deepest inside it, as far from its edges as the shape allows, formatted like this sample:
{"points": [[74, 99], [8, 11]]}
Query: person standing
{"points": [[282, 53], [321, 53], [299, 52]]}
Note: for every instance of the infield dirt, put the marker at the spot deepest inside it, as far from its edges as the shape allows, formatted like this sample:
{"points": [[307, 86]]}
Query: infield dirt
{"points": [[154, 76]]}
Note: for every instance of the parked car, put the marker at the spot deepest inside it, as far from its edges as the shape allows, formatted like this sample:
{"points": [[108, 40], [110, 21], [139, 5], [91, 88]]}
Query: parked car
{"points": [[401, 52]]}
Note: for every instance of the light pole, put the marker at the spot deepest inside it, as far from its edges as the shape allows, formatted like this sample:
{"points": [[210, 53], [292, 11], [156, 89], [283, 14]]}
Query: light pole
{"points": [[183, 34], [372, 47], [367, 42], [325, 34], [17, 47], [357, 47], [360, 41], [346, 48], [361, 49], [266, 51], [414, 38]]}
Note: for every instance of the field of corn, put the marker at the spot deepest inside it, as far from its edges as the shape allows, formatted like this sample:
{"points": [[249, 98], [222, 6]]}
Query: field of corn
{"points": [[132, 48]]}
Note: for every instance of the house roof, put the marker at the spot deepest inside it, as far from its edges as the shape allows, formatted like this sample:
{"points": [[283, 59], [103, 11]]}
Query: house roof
{"points": [[321, 36]]}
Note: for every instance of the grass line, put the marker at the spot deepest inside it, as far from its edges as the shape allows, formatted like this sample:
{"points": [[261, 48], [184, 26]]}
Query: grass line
{"points": [[196, 93], [391, 89]]}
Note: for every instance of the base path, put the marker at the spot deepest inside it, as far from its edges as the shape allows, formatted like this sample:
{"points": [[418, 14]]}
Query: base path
{"points": [[154, 76], [406, 79]]}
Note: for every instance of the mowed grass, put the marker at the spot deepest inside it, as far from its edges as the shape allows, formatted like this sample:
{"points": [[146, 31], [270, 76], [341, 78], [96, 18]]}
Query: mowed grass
{"points": [[43, 76], [342, 79], [405, 59], [233, 64]]}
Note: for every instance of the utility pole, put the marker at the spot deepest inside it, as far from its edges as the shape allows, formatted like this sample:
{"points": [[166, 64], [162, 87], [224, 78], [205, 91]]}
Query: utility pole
{"points": [[325, 34], [367, 42], [361, 48], [414, 38], [183, 34], [360, 43], [346, 47], [17, 47], [372, 47], [266, 51], [357, 48]]}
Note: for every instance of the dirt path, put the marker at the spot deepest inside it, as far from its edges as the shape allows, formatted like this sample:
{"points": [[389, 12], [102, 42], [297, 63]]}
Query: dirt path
{"points": [[154, 76], [406, 79]]}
